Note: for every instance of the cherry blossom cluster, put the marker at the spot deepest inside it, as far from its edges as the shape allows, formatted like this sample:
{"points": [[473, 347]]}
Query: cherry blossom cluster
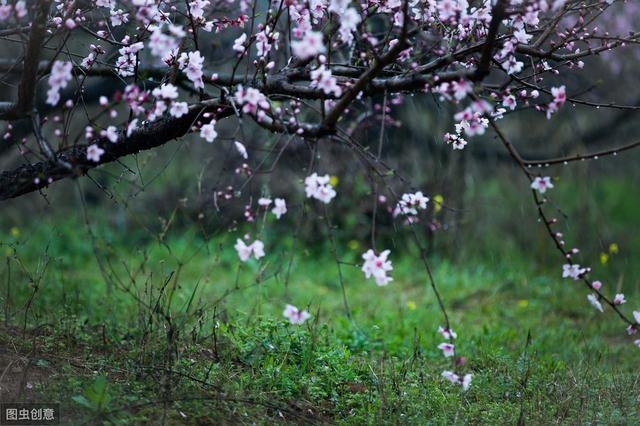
{"points": [[449, 351], [59, 79], [411, 203], [19, 9], [295, 316], [246, 251], [279, 206], [319, 187], [252, 102], [377, 266]]}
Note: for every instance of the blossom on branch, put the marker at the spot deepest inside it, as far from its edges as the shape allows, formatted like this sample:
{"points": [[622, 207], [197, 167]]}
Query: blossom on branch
{"points": [[377, 266], [541, 184], [318, 187]]}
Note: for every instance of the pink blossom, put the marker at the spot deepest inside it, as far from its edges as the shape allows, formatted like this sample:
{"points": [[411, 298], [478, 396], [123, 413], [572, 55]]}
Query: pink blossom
{"points": [[461, 88], [310, 45], [448, 349], [409, 204], [522, 36], [377, 266], [447, 333], [322, 79], [541, 184], [245, 251], [451, 376], [280, 207], [318, 187], [456, 141], [126, 62], [238, 44], [59, 79], [178, 109], [572, 271], [349, 21], [509, 102], [619, 299], [559, 98], [593, 299], [132, 126], [111, 133], [166, 91], [208, 131], [242, 150], [295, 316], [94, 152], [191, 63], [264, 202], [251, 100], [21, 9]]}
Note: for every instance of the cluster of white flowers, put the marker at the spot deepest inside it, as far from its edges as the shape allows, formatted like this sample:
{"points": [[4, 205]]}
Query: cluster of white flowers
{"points": [[88, 61], [126, 62], [377, 266], [166, 98], [117, 17], [310, 45], [245, 251], [574, 271], [456, 90], [559, 98], [59, 79], [296, 316], [448, 350], [318, 187], [409, 204], [265, 40], [20, 10], [252, 101], [349, 20], [471, 121], [165, 46], [464, 381], [322, 79], [456, 141], [191, 63], [279, 206]]}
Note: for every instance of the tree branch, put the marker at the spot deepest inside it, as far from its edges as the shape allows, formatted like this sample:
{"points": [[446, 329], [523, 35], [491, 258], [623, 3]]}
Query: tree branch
{"points": [[32, 177], [497, 15]]}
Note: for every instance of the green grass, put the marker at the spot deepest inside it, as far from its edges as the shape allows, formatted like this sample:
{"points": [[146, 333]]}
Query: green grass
{"points": [[137, 330]]}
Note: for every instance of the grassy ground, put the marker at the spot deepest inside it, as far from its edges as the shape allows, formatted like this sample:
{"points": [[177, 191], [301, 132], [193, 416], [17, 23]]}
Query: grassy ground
{"points": [[134, 331]]}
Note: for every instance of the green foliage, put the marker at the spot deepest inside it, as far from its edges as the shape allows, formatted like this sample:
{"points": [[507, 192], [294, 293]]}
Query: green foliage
{"points": [[144, 330]]}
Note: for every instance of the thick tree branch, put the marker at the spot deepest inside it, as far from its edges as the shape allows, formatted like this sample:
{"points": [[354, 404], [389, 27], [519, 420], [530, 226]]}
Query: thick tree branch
{"points": [[497, 15], [32, 177]]}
